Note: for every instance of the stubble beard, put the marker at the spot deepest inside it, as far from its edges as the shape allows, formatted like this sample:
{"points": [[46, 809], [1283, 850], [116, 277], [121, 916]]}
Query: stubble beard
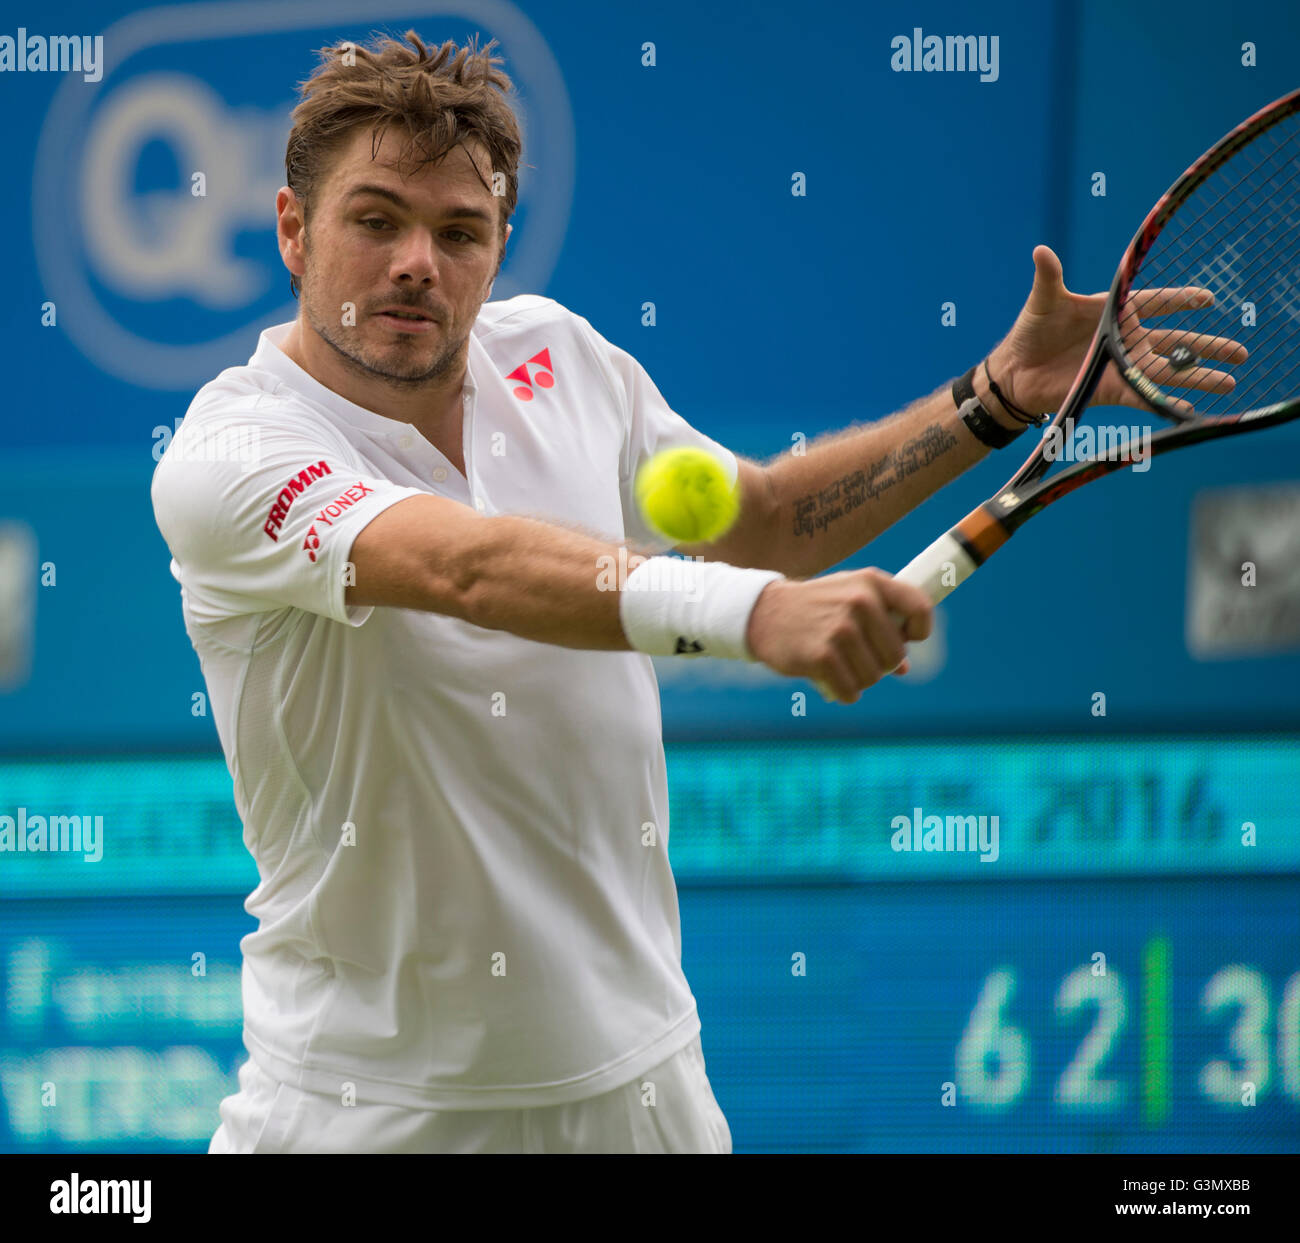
{"points": [[352, 351]]}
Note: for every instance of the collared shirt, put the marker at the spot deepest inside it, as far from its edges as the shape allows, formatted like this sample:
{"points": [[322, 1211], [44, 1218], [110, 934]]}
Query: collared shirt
{"points": [[465, 897]]}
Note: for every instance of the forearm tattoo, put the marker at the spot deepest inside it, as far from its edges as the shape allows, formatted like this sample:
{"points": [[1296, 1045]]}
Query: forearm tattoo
{"points": [[816, 511]]}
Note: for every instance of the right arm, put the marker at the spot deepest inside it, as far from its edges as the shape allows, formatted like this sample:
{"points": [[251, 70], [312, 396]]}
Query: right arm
{"points": [[545, 582], [534, 579]]}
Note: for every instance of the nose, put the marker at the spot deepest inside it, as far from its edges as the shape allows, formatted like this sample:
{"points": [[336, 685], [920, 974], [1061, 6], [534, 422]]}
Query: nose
{"points": [[415, 261]]}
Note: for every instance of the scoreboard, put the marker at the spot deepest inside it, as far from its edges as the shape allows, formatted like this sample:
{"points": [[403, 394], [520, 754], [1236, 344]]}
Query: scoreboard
{"points": [[947, 945], [948, 1017]]}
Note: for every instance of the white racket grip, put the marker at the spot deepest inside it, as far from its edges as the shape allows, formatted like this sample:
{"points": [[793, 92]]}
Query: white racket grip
{"points": [[939, 569]]}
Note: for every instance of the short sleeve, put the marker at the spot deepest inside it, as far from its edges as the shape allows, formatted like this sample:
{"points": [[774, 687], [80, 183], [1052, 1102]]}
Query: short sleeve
{"points": [[651, 426], [260, 515]]}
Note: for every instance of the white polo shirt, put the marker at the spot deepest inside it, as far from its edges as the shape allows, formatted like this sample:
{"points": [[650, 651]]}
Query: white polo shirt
{"points": [[457, 907]]}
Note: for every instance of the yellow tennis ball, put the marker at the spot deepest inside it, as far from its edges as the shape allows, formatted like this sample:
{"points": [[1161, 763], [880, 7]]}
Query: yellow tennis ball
{"points": [[684, 495]]}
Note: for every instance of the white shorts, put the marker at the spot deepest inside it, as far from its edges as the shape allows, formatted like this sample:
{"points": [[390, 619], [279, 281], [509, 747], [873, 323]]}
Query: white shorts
{"points": [[268, 1116]]}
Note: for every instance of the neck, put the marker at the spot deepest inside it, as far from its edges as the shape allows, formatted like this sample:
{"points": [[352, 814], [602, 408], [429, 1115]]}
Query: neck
{"points": [[428, 405]]}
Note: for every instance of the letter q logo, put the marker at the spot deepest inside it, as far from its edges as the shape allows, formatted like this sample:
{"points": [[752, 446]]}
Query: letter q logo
{"points": [[171, 286]]}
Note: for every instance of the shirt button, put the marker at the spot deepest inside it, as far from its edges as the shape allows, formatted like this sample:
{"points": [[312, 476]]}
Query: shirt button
{"points": [[478, 504], [439, 474], [405, 442]]}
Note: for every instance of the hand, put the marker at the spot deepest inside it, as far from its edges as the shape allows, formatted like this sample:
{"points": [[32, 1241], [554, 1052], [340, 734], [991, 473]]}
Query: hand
{"points": [[1039, 359], [844, 631]]}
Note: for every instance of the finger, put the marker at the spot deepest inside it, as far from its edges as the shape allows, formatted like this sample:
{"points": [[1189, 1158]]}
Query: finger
{"points": [[911, 606], [1168, 300], [1123, 395], [1161, 371], [1049, 281], [864, 664], [1202, 345], [904, 669], [834, 680], [881, 633]]}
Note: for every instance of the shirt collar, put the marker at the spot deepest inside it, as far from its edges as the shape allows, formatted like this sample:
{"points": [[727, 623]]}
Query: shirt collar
{"points": [[269, 356]]}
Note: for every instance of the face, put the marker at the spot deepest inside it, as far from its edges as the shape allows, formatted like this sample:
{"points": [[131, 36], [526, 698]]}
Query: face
{"points": [[430, 244]]}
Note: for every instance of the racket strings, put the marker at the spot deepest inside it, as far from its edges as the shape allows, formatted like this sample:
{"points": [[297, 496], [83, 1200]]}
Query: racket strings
{"points": [[1245, 243], [1190, 226], [1263, 254], [1261, 263], [1281, 237], [1238, 270], [1281, 175], [1237, 233]]}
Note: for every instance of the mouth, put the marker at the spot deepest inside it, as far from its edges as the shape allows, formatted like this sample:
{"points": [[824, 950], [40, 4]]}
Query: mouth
{"points": [[406, 319]]}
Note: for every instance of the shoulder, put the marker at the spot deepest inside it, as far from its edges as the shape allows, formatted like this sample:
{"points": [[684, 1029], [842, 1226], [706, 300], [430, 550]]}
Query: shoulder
{"points": [[524, 311], [242, 412], [531, 314], [531, 327], [252, 394], [244, 433]]}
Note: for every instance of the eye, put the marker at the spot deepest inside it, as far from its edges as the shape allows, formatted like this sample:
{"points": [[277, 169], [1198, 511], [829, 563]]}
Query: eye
{"points": [[369, 220], [460, 234]]}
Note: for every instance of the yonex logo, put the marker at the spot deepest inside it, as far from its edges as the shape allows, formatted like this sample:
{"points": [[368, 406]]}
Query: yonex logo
{"points": [[335, 509], [543, 378], [342, 502]]}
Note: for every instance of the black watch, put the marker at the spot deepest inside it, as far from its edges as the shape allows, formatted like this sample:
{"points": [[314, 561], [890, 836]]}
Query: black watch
{"points": [[982, 424]]}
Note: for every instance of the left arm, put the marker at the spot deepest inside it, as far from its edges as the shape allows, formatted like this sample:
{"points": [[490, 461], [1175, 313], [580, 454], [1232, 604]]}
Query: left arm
{"points": [[803, 513]]}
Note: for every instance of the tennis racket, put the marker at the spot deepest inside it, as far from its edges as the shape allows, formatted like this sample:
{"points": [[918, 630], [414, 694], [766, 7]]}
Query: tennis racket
{"points": [[1227, 232]]}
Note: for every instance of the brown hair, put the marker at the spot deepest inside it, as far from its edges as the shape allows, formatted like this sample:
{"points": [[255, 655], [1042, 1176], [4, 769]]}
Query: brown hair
{"points": [[445, 97]]}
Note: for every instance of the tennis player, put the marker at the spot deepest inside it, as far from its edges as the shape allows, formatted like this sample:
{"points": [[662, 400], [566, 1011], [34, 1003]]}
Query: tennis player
{"points": [[425, 614]]}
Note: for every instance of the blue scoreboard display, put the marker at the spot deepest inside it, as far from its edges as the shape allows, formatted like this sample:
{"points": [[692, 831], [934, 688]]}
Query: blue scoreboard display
{"points": [[1059, 945], [956, 1017]]}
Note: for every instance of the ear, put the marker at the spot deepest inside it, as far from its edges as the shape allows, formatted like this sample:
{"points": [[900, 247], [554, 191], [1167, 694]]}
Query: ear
{"points": [[290, 228]]}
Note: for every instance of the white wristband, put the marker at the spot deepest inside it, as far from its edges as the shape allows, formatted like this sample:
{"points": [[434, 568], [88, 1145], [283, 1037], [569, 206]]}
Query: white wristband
{"points": [[675, 607]]}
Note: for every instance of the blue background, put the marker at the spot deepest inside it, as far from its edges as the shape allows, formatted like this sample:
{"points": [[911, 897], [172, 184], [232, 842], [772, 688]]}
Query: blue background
{"points": [[775, 315]]}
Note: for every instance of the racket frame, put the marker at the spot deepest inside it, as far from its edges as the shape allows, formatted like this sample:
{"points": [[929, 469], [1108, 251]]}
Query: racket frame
{"points": [[956, 555]]}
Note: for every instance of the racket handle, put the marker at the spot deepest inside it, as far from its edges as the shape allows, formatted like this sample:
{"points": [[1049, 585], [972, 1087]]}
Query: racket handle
{"points": [[938, 571]]}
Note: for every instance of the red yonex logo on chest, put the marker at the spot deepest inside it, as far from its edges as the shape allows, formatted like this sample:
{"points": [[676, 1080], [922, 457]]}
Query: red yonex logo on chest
{"points": [[543, 375]]}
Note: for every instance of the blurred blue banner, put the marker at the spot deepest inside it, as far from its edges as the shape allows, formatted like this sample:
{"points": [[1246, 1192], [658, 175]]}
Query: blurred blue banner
{"points": [[661, 150], [1109, 981]]}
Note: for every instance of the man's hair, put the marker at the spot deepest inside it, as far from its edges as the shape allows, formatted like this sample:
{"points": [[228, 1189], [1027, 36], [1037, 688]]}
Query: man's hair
{"points": [[445, 97]]}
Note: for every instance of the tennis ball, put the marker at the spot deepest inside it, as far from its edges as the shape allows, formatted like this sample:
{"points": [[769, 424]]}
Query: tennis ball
{"points": [[684, 495]]}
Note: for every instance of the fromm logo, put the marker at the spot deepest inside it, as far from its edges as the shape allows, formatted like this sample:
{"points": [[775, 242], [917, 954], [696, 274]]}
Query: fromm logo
{"points": [[286, 496], [543, 377]]}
